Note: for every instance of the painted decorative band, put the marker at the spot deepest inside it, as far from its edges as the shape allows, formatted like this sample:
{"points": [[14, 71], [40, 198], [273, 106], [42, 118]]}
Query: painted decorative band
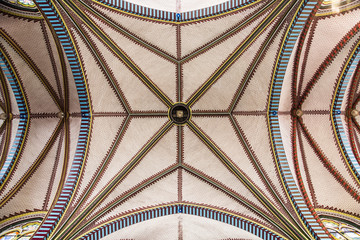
{"points": [[161, 211], [24, 118], [298, 24], [51, 14], [336, 118], [173, 16]]}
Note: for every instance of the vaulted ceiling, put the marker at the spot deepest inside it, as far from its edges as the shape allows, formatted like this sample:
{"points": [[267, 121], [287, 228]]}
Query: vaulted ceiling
{"points": [[179, 119]]}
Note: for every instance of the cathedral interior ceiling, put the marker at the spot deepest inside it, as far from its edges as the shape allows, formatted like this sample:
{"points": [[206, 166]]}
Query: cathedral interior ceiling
{"points": [[179, 119]]}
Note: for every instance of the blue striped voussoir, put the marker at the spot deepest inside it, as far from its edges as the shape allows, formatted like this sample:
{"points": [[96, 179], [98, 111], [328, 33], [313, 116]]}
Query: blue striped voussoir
{"points": [[298, 201], [148, 214], [339, 97], [176, 17], [23, 122], [56, 22]]}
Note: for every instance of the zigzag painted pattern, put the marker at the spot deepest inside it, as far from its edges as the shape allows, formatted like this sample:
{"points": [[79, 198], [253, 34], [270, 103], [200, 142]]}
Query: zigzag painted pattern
{"points": [[129, 220], [298, 24], [24, 118], [57, 24], [173, 16], [339, 128]]}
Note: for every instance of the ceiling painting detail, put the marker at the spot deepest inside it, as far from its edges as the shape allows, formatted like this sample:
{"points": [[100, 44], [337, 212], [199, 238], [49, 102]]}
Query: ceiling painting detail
{"points": [[119, 120]]}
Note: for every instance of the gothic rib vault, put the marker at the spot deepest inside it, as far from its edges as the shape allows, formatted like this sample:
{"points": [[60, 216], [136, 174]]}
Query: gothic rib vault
{"points": [[235, 121]]}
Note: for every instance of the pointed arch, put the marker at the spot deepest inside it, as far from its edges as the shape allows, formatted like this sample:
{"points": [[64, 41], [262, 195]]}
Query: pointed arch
{"points": [[176, 208]]}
